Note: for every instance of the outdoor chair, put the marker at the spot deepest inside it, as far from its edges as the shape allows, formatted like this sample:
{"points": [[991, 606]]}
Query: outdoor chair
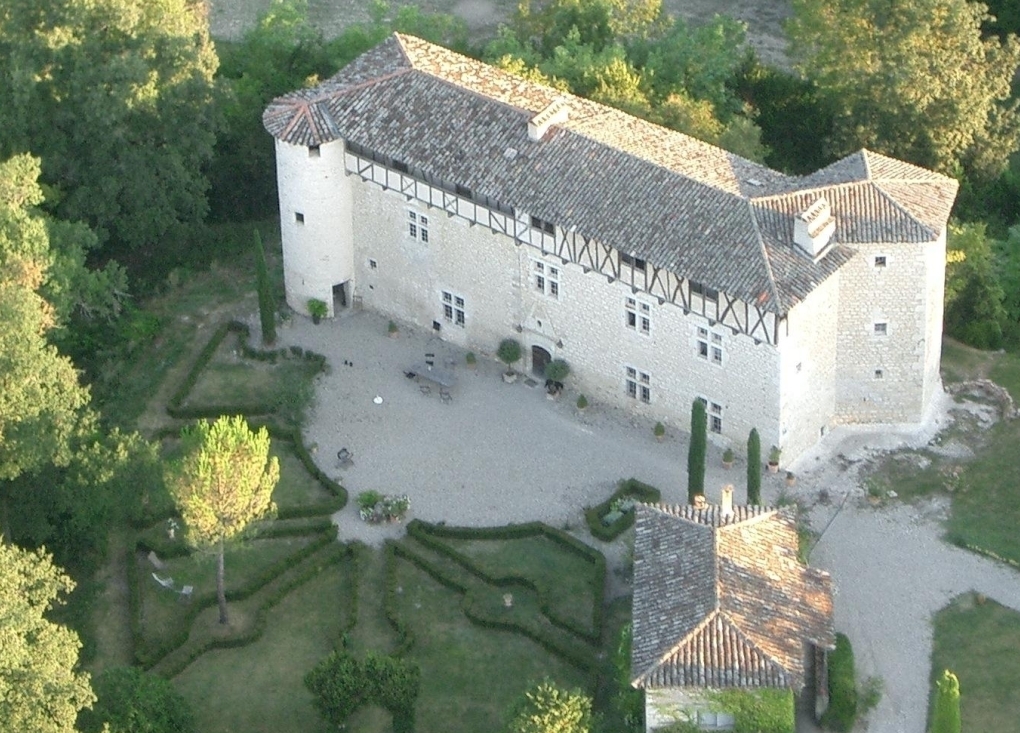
{"points": [[186, 593], [344, 457], [167, 583]]}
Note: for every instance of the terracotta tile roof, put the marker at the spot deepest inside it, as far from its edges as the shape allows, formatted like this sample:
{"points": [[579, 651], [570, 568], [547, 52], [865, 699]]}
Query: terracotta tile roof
{"points": [[676, 202], [723, 601]]}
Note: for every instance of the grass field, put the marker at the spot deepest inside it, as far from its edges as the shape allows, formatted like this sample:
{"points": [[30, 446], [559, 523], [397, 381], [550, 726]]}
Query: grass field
{"points": [[980, 643], [259, 688], [470, 675]]}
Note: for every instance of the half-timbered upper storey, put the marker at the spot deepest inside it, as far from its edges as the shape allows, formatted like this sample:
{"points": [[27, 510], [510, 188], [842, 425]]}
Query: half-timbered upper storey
{"points": [[670, 215]]}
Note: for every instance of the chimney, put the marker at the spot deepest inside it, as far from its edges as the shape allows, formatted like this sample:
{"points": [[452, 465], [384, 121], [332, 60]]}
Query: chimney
{"points": [[555, 114], [814, 227], [726, 503], [699, 501]]}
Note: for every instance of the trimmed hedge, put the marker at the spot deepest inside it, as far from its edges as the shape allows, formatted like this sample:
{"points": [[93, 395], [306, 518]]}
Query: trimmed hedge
{"points": [[147, 657], [628, 488], [842, 711], [331, 556], [175, 406], [426, 534], [582, 659]]}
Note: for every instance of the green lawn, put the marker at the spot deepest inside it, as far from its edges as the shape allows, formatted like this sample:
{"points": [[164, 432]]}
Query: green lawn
{"points": [[565, 578], [259, 688], [297, 487], [980, 643], [470, 675], [164, 615]]}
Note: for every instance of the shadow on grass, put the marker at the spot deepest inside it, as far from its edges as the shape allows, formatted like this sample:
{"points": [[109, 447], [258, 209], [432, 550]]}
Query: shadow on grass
{"points": [[979, 641]]}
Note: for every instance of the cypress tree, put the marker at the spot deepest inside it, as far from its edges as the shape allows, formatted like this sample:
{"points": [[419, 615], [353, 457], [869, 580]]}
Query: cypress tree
{"points": [[946, 718], [753, 468], [697, 450], [267, 308]]}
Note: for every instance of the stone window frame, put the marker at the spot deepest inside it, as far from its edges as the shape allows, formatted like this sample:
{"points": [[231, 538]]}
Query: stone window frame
{"points": [[547, 278], [299, 217], [880, 262], [710, 345], [637, 315], [880, 328], [454, 308], [637, 384], [418, 226], [715, 414]]}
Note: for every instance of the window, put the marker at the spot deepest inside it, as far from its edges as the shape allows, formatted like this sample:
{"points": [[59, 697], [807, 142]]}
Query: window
{"points": [[638, 316], [299, 217], [881, 329], [542, 225], [714, 410], [710, 345], [418, 226], [313, 151], [639, 385], [879, 374], [711, 720], [636, 262], [708, 294], [547, 279], [372, 264], [453, 309], [462, 191], [880, 261]]}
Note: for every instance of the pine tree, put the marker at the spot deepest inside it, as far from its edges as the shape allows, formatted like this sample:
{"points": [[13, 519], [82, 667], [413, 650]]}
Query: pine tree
{"points": [[267, 307], [697, 450], [753, 467], [946, 718]]}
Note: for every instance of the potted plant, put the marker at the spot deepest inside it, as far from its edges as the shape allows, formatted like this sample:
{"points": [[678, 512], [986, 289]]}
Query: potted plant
{"points": [[790, 478], [774, 459], [471, 360], [555, 372], [727, 458], [509, 352], [317, 309], [659, 431], [582, 403], [391, 329]]}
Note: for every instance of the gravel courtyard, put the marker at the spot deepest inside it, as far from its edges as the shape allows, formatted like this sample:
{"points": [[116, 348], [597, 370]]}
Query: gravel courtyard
{"points": [[503, 453]]}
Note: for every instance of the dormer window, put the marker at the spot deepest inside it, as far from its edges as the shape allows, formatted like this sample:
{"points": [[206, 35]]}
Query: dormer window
{"points": [[636, 262], [313, 151]]}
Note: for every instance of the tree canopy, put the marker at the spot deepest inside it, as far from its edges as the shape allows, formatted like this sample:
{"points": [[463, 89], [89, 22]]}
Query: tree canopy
{"points": [[40, 397], [546, 708], [222, 484], [116, 98], [132, 701], [914, 80], [41, 689]]}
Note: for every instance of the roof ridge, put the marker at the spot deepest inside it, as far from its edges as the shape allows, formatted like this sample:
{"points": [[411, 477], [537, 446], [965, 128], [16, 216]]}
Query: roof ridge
{"points": [[765, 258]]}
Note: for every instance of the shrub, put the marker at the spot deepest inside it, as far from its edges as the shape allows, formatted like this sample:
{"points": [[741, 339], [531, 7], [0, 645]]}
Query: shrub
{"points": [[317, 309], [546, 707], [758, 711], [509, 351], [130, 699], [557, 370], [391, 327], [582, 402], [753, 468], [774, 454], [595, 515], [470, 358], [946, 717], [727, 455], [368, 499], [659, 430], [697, 451], [842, 712]]}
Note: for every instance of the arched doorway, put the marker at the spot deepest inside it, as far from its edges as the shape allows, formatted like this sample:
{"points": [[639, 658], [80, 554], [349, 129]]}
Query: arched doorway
{"points": [[540, 358]]}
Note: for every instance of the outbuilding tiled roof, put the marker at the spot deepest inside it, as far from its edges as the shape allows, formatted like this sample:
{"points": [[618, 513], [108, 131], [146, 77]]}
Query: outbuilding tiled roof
{"points": [[662, 196], [722, 600]]}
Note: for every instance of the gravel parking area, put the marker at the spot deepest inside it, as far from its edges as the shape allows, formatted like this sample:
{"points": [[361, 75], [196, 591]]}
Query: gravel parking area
{"points": [[502, 453]]}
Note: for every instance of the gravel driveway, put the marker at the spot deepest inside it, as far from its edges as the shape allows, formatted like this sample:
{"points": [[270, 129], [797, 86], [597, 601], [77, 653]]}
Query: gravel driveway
{"points": [[503, 453]]}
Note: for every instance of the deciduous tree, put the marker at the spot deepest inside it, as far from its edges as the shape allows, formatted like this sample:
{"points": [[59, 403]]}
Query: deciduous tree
{"points": [[41, 688], [696, 452], [132, 701], [222, 484], [546, 708], [915, 80], [116, 97]]}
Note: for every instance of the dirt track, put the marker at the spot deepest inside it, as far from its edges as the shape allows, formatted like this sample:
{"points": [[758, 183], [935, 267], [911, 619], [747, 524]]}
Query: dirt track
{"points": [[230, 18]]}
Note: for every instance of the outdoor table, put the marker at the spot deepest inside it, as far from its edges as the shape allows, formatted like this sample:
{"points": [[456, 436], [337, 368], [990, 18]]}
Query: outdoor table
{"points": [[441, 377]]}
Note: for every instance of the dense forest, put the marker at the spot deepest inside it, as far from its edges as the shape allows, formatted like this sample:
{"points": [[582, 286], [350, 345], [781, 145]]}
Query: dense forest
{"points": [[132, 149]]}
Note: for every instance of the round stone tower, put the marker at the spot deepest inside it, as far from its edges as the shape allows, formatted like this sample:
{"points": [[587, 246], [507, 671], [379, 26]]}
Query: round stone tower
{"points": [[315, 224]]}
